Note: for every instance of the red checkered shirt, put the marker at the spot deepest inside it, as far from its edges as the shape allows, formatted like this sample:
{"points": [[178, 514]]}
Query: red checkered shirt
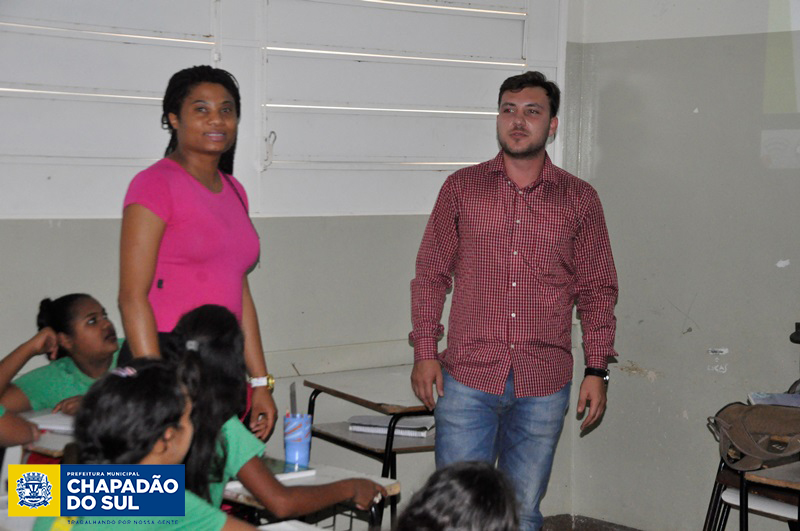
{"points": [[520, 259]]}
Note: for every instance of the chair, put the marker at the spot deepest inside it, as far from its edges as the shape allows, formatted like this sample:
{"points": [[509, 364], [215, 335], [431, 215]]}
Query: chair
{"points": [[765, 500]]}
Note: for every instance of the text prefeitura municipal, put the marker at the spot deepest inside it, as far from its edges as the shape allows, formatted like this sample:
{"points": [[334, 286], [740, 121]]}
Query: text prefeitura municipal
{"points": [[102, 473]]}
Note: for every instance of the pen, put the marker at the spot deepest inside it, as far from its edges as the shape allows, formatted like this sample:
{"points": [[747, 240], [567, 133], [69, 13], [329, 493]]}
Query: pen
{"points": [[293, 398]]}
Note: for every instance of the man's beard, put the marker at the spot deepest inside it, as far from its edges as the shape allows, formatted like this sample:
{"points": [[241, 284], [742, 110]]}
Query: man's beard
{"points": [[530, 152]]}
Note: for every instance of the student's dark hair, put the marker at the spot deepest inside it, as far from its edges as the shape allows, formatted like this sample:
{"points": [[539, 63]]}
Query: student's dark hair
{"points": [[467, 496], [59, 314], [178, 88], [210, 335], [127, 411], [533, 79]]}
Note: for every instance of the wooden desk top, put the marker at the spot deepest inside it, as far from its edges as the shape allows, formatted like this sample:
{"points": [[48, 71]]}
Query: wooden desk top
{"points": [[786, 476], [368, 388]]}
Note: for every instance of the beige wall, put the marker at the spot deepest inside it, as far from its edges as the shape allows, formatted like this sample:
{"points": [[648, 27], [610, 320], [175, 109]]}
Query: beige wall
{"points": [[705, 240]]}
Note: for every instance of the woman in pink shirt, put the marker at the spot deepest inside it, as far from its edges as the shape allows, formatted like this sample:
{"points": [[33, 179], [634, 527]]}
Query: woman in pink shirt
{"points": [[187, 238]]}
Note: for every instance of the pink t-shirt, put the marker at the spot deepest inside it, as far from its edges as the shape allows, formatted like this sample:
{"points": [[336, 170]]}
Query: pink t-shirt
{"points": [[208, 246]]}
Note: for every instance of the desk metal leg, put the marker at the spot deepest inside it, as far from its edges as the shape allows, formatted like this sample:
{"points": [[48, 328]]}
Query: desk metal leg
{"points": [[715, 503], [795, 526], [389, 460], [393, 502], [714, 508], [376, 516], [722, 522], [389, 469], [312, 400], [742, 503]]}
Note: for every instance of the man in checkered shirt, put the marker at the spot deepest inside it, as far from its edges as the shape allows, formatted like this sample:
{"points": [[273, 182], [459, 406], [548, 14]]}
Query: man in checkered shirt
{"points": [[522, 241]]}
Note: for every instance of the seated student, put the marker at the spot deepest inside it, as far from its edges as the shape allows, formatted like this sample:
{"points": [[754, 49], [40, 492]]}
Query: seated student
{"points": [[223, 448], [74, 331], [467, 496], [145, 411]]}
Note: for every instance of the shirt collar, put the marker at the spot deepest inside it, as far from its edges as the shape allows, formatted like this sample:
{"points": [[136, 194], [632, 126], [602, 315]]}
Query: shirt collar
{"points": [[549, 174]]}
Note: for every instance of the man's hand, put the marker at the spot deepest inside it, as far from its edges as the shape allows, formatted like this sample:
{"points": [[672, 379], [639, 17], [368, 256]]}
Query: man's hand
{"points": [[593, 391], [425, 374]]}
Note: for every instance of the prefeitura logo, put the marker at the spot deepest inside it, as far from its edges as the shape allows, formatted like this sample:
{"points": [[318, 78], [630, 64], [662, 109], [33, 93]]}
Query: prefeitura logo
{"points": [[33, 489]]}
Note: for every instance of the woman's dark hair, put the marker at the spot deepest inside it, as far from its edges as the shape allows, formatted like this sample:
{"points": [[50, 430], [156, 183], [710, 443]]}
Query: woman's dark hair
{"points": [[210, 336], [59, 314], [125, 412], [178, 88], [533, 79], [467, 496]]}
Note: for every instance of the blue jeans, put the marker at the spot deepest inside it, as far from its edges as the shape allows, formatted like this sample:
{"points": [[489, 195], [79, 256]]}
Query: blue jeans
{"points": [[520, 434]]}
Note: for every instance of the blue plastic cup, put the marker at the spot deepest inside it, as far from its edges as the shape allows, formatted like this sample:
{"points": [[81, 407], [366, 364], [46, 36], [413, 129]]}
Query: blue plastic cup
{"points": [[297, 439]]}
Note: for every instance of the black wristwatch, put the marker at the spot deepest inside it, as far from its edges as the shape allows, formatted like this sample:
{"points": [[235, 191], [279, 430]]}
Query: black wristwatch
{"points": [[602, 373]]}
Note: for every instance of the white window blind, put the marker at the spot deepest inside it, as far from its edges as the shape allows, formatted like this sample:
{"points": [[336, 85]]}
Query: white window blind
{"points": [[372, 103]]}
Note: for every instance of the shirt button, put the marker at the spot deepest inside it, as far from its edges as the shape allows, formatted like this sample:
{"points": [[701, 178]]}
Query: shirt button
{"points": [[519, 191], [513, 315], [513, 284], [512, 345], [515, 253]]}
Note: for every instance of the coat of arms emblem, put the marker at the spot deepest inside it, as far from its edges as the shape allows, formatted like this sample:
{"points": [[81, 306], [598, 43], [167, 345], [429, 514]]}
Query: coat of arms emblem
{"points": [[33, 489]]}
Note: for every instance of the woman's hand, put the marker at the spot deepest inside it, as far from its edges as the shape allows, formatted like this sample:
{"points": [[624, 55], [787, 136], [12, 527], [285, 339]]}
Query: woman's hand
{"points": [[263, 413], [366, 493], [44, 342], [69, 406]]}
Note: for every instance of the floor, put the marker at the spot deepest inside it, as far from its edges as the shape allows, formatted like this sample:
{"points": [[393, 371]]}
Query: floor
{"points": [[566, 522]]}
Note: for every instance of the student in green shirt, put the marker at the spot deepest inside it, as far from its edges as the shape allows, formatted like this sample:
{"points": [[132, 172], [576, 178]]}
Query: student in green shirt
{"points": [[223, 448], [80, 340], [145, 410]]}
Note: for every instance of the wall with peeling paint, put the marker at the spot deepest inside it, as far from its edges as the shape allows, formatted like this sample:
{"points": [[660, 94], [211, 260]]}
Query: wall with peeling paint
{"points": [[703, 224]]}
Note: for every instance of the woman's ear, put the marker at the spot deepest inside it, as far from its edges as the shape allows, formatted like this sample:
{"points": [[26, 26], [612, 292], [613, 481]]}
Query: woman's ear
{"points": [[173, 120], [163, 444], [168, 437]]}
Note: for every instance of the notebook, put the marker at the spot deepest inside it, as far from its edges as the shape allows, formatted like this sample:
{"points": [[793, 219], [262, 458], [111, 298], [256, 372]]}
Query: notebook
{"points": [[775, 399], [379, 424]]}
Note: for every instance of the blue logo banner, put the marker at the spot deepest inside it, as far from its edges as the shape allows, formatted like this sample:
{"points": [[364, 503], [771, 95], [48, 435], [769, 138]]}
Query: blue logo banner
{"points": [[122, 490]]}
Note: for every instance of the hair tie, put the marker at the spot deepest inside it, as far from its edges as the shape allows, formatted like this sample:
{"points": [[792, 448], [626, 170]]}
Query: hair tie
{"points": [[124, 372], [192, 345]]}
